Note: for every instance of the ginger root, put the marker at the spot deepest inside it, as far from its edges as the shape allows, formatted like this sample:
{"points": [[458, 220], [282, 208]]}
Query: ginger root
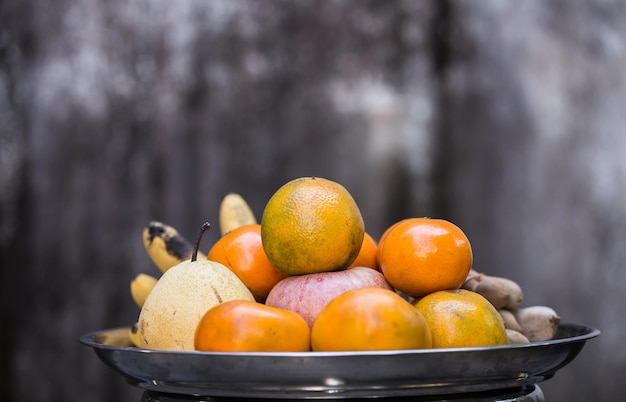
{"points": [[501, 292], [540, 323]]}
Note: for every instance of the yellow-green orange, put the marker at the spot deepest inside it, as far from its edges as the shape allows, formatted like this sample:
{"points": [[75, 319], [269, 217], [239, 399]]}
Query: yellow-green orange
{"points": [[461, 318], [311, 225]]}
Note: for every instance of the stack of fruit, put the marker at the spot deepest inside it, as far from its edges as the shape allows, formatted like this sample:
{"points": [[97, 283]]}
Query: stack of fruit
{"points": [[309, 278]]}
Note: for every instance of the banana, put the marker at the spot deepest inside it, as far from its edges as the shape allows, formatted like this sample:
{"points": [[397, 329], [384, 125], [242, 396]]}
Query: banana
{"points": [[140, 287], [165, 246], [234, 212], [116, 337], [133, 335]]}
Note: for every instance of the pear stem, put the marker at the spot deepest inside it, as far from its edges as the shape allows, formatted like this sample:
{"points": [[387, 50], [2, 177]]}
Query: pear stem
{"points": [[205, 226]]}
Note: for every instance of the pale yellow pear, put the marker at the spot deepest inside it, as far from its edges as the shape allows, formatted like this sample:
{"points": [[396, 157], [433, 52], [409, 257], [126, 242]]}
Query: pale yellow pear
{"points": [[174, 307]]}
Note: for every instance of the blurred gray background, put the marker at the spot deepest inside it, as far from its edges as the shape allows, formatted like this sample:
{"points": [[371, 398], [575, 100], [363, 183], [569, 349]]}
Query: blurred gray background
{"points": [[506, 117]]}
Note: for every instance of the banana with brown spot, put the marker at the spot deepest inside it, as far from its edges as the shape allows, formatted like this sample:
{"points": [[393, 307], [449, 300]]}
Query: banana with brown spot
{"points": [[165, 246]]}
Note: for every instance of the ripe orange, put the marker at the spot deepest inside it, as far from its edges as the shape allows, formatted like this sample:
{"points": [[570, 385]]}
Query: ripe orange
{"points": [[422, 255], [311, 225], [461, 318], [382, 239], [241, 250], [247, 326], [368, 255], [369, 319]]}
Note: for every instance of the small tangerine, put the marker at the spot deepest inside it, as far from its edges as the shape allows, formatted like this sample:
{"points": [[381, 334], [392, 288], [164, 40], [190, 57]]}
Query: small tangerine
{"points": [[419, 256], [241, 250]]}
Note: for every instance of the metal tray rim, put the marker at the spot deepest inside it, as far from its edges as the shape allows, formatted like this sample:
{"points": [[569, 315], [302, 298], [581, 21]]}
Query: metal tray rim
{"points": [[90, 339], [341, 375]]}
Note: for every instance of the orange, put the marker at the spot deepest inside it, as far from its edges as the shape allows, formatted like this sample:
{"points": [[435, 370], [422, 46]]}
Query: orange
{"points": [[368, 255], [382, 239], [369, 319], [311, 225], [386, 232], [422, 255], [461, 318], [241, 250], [247, 326]]}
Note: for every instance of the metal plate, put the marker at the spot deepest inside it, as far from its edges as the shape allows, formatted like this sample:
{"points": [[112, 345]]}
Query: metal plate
{"points": [[337, 375]]}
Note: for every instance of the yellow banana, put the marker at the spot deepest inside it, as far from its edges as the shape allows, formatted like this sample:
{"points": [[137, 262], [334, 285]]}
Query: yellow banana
{"points": [[234, 212], [165, 246], [116, 337], [140, 287], [133, 335]]}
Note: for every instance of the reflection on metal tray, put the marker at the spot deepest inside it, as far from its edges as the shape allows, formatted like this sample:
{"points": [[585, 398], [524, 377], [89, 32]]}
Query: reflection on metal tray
{"points": [[338, 375]]}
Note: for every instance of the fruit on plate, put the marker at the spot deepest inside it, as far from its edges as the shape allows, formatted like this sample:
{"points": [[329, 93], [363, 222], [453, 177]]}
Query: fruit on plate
{"points": [[165, 246], [369, 319], [309, 250], [461, 318], [172, 310], [308, 294], [419, 256], [368, 254], [311, 225], [133, 335], [523, 324], [140, 287], [241, 250], [234, 212], [247, 326]]}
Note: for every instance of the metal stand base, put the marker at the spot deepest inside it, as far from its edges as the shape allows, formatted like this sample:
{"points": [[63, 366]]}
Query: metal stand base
{"points": [[529, 393]]}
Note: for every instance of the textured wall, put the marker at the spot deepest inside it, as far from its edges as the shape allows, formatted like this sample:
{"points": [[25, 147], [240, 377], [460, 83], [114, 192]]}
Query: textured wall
{"points": [[504, 117], [535, 118]]}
